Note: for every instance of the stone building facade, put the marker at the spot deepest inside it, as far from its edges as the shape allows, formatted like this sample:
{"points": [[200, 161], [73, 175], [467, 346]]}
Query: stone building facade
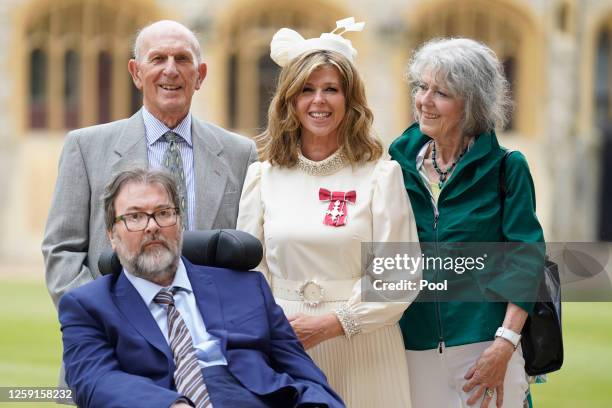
{"points": [[64, 65]]}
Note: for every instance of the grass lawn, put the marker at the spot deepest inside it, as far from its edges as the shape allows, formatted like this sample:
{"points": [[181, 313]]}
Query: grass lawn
{"points": [[30, 348], [30, 343], [586, 377]]}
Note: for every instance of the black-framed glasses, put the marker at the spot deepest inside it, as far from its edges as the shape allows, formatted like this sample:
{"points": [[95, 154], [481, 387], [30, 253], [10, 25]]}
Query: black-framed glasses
{"points": [[138, 221]]}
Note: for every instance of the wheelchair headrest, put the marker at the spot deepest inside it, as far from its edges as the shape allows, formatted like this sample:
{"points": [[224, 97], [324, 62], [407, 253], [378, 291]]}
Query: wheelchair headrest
{"points": [[223, 248]]}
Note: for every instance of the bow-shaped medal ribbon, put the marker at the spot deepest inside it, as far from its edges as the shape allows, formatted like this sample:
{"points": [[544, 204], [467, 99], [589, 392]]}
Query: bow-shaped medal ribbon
{"points": [[336, 213]]}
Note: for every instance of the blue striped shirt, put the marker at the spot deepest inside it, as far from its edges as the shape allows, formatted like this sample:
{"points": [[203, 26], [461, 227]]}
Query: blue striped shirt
{"points": [[156, 148]]}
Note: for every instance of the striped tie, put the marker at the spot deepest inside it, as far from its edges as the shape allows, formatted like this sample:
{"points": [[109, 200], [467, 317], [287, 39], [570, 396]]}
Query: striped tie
{"points": [[173, 162], [187, 375]]}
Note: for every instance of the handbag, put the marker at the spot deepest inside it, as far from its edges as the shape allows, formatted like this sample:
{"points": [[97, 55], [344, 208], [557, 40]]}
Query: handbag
{"points": [[541, 340]]}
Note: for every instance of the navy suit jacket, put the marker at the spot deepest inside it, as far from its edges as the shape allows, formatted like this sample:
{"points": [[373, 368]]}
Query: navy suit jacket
{"points": [[116, 355]]}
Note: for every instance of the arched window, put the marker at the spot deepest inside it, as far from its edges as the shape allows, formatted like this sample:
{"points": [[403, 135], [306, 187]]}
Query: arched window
{"points": [[602, 88], [135, 97], [268, 76], [232, 90], [602, 83], [74, 52], [251, 74], [105, 86], [564, 18], [501, 28], [510, 72], [38, 89], [71, 90]]}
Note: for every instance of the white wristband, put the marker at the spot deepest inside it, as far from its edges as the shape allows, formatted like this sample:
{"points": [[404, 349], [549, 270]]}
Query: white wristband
{"points": [[509, 335]]}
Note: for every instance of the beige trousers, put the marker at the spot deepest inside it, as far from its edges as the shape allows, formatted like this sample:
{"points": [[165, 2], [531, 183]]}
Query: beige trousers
{"points": [[436, 378]]}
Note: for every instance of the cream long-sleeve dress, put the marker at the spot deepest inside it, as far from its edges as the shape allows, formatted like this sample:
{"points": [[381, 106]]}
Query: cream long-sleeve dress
{"points": [[281, 207]]}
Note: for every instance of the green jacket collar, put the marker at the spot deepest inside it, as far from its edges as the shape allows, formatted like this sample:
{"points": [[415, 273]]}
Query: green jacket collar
{"points": [[406, 147]]}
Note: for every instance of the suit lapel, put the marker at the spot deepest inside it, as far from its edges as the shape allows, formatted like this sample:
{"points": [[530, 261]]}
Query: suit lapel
{"points": [[131, 146], [207, 297], [211, 174], [130, 303]]}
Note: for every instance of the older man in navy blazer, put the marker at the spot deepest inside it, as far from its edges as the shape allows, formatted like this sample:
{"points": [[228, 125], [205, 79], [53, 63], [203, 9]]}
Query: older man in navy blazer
{"points": [[125, 347]]}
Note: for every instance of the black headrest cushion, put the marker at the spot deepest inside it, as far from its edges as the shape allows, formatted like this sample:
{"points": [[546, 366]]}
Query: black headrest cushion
{"points": [[223, 248]]}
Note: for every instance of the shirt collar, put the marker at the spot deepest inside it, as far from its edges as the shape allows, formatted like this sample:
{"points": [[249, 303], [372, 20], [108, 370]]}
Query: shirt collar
{"points": [[154, 128], [421, 155], [148, 290]]}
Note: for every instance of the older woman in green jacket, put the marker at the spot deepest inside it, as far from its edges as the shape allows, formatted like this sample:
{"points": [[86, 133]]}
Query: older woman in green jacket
{"points": [[460, 352]]}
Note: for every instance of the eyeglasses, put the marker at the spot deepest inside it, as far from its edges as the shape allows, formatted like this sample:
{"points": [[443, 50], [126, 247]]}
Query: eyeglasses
{"points": [[138, 221]]}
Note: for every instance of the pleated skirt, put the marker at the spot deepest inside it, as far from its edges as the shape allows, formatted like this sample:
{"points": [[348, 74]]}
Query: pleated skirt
{"points": [[367, 371]]}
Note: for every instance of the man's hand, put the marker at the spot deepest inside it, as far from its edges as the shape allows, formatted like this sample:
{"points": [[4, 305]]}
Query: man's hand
{"points": [[489, 373], [312, 330]]}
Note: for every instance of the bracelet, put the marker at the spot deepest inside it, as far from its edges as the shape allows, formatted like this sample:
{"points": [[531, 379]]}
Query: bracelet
{"points": [[347, 321]]}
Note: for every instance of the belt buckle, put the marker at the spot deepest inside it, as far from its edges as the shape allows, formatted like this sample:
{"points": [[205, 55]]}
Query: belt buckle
{"points": [[311, 293]]}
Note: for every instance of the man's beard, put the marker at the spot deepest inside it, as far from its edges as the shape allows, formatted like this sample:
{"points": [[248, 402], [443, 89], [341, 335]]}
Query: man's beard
{"points": [[156, 264]]}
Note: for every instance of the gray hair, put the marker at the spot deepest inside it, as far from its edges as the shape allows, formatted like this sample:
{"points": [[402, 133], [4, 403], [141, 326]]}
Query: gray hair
{"points": [[135, 175], [197, 49], [471, 71]]}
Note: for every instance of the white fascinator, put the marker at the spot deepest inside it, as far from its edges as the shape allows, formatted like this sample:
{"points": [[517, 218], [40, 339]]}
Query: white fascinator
{"points": [[288, 44]]}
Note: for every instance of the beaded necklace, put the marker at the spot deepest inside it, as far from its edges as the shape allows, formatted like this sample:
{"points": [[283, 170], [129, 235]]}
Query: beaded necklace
{"points": [[444, 174], [325, 167]]}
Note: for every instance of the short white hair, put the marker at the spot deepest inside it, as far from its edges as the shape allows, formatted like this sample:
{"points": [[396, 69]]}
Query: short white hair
{"points": [[197, 49], [471, 71]]}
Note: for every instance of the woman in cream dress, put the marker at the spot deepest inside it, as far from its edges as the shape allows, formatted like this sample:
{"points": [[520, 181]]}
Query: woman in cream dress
{"points": [[322, 191]]}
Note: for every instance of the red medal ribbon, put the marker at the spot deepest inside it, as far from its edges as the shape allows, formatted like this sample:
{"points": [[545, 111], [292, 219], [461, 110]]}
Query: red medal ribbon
{"points": [[336, 213]]}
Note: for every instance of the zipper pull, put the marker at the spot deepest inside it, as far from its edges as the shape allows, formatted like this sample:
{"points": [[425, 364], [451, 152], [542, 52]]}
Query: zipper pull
{"points": [[441, 346], [435, 221]]}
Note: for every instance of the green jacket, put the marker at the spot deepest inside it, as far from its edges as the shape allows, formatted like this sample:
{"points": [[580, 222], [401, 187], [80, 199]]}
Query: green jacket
{"points": [[469, 210]]}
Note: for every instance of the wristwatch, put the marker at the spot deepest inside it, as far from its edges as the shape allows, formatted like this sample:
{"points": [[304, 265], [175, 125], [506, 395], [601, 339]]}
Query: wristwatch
{"points": [[509, 335]]}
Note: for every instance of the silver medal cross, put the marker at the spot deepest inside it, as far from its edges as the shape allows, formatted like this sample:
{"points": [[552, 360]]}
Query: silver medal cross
{"points": [[335, 212]]}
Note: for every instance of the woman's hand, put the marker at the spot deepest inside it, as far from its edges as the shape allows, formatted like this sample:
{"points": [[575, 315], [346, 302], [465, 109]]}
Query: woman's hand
{"points": [[490, 369], [489, 372], [312, 330]]}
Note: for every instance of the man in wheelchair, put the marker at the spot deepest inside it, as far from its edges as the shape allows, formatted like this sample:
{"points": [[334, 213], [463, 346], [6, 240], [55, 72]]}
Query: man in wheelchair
{"points": [[161, 331]]}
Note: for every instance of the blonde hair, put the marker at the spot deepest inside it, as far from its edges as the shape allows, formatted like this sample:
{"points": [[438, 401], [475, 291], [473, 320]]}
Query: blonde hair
{"points": [[279, 142]]}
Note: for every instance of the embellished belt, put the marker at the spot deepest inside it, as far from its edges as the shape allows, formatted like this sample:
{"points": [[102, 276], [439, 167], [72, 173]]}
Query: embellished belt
{"points": [[313, 291]]}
